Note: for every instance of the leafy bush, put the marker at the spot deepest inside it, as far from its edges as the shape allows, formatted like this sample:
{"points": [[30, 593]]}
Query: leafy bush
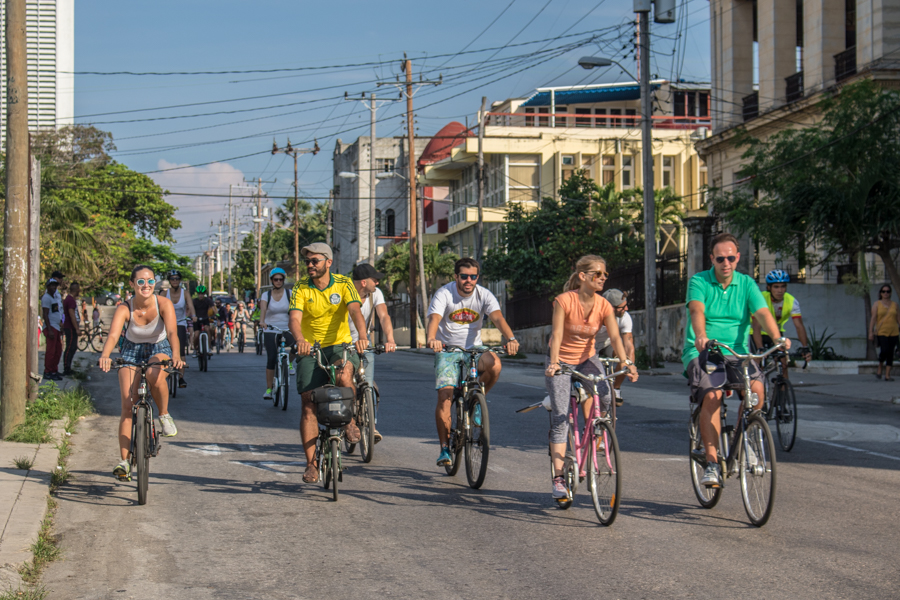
{"points": [[51, 404]]}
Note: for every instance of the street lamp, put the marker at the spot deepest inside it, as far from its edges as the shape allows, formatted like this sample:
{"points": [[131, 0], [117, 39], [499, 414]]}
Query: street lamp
{"points": [[590, 62], [348, 175]]}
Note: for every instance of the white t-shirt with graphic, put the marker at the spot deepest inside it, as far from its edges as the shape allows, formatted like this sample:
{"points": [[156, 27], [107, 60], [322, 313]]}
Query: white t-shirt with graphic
{"points": [[367, 307], [625, 326], [462, 318], [53, 304]]}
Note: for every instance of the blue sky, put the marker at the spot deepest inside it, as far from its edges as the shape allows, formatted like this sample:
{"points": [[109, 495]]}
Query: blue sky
{"points": [[327, 39]]}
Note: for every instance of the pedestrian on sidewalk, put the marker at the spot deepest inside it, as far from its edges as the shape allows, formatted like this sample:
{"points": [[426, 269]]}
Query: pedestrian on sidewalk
{"points": [[619, 301], [51, 308], [885, 327], [95, 314], [71, 327]]}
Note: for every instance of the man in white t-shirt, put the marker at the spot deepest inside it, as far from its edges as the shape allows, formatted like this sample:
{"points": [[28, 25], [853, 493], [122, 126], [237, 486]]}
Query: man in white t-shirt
{"points": [[51, 309], [455, 317], [365, 280], [619, 301]]}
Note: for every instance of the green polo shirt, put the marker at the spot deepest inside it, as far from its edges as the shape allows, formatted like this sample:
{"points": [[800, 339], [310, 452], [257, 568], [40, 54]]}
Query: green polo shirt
{"points": [[727, 310]]}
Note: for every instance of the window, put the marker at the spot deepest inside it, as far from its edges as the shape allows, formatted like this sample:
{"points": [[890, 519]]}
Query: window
{"points": [[703, 182], [668, 171], [600, 122], [627, 172], [529, 121], [568, 166], [587, 163], [524, 177], [389, 222], [384, 165], [616, 111], [609, 169], [544, 121], [378, 225], [633, 122], [581, 121], [561, 121]]}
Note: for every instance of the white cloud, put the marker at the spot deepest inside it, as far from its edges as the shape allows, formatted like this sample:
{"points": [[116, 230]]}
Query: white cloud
{"points": [[196, 212]]}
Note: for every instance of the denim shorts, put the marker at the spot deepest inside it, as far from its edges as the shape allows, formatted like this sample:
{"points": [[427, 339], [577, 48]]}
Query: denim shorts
{"points": [[138, 353], [446, 368]]}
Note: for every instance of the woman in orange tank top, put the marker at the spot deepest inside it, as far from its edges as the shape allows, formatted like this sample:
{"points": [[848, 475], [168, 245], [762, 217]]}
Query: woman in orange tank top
{"points": [[885, 327]]}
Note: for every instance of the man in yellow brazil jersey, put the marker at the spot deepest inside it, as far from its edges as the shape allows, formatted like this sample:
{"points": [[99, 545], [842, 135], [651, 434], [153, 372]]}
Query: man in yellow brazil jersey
{"points": [[320, 304]]}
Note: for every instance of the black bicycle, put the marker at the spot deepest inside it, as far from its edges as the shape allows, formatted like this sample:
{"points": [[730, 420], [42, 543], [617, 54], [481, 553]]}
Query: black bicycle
{"points": [[366, 403], [91, 338], [239, 333], [260, 344], [747, 448], [781, 402], [281, 382], [144, 436], [470, 428]]}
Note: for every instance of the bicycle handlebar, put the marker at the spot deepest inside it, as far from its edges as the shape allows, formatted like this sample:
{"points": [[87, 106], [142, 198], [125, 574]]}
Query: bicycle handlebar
{"points": [[713, 344], [121, 363], [496, 349], [565, 369]]}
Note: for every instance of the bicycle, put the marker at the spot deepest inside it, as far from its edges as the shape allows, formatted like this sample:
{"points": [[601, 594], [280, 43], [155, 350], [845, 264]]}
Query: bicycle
{"points": [[334, 410], [260, 343], [781, 402], [203, 350], [470, 425], [91, 337], [144, 436], [366, 402], [282, 380], [240, 337], [748, 449], [592, 450], [226, 339]]}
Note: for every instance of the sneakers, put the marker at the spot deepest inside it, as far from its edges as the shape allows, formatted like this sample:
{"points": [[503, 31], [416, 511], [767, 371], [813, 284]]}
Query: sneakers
{"points": [[123, 471], [291, 367], [182, 383], [377, 436], [444, 460], [712, 475], [476, 415], [619, 401], [53, 376], [268, 394], [167, 426], [559, 488]]}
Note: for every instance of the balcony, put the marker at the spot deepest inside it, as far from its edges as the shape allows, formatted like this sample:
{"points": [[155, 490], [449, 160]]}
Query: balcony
{"points": [[563, 120], [751, 106], [845, 64], [794, 87]]}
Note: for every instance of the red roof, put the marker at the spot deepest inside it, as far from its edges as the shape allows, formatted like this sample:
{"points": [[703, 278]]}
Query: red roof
{"points": [[449, 137]]}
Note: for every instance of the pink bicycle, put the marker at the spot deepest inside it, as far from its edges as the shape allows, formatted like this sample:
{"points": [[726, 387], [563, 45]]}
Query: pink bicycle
{"points": [[592, 449]]}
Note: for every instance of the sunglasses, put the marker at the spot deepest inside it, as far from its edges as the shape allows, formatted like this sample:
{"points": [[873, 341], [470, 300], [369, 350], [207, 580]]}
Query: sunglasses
{"points": [[313, 261], [143, 282], [277, 279], [721, 259], [885, 291], [174, 278], [596, 274], [465, 276]]}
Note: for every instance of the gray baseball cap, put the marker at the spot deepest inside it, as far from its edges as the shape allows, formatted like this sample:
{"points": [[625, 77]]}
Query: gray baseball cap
{"points": [[318, 248], [614, 296]]}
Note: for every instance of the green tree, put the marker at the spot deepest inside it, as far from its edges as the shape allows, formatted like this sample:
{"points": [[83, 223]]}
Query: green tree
{"points": [[394, 263], [668, 208]]}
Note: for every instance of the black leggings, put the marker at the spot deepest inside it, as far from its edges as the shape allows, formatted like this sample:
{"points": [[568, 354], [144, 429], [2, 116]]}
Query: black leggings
{"points": [[272, 349], [887, 343], [71, 345]]}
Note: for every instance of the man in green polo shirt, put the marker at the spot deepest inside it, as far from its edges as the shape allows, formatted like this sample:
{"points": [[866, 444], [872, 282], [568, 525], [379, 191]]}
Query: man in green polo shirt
{"points": [[720, 303]]}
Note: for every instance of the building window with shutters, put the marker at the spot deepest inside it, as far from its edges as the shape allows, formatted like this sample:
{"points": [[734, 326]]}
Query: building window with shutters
{"points": [[668, 171], [568, 166], [524, 177], [609, 170], [627, 172], [389, 222], [378, 227]]}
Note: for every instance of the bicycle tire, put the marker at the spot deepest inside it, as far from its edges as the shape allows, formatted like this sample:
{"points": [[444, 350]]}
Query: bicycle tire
{"points": [[276, 382], [786, 416], [83, 343], [259, 343], [366, 422], [173, 385], [97, 343], [142, 453], [570, 476], [241, 342], [202, 356], [285, 382], [604, 473], [478, 440], [456, 444], [335, 468], [708, 497], [758, 476], [324, 462]]}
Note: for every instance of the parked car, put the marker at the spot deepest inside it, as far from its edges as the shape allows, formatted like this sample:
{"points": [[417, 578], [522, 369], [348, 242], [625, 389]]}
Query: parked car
{"points": [[225, 298], [108, 298]]}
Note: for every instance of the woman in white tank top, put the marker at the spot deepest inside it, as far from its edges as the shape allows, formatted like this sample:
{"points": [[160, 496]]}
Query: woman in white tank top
{"points": [[184, 311], [274, 306], [151, 336]]}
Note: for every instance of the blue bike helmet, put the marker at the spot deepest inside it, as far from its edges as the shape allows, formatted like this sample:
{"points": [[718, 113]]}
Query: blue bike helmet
{"points": [[277, 271], [778, 276]]}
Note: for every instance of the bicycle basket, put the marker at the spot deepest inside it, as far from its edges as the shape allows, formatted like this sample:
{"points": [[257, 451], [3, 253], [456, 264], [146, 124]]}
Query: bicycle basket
{"points": [[334, 405]]}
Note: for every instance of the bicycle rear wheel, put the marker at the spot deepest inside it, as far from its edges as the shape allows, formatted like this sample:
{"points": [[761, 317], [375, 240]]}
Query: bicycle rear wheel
{"points": [[241, 341], [708, 497], [786, 416], [142, 452], [259, 343], [285, 380], [478, 440], [97, 343], [455, 439], [604, 472], [366, 422], [83, 342], [335, 468], [758, 471]]}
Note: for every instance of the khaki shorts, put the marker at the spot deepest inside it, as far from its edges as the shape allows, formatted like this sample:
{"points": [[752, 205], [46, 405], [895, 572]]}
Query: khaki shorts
{"points": [[700, 383]]}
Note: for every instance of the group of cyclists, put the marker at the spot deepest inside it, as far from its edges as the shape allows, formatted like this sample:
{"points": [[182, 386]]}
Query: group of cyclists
{"points": [[331, 310]]}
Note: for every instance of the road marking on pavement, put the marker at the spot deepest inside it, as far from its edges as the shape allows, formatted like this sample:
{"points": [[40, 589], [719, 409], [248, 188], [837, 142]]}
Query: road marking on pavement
{"points": [[537, 387], [210, 450], [269, 465], [855, 449], [672, 458], [497, 469], [252, 449]]}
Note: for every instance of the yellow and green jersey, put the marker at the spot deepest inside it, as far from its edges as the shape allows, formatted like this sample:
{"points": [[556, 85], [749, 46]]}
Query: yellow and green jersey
{"points": [[325, 311]]}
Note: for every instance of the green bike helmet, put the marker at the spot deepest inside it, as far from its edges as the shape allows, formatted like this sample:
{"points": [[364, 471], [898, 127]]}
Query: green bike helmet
{"points": [[201, 289]]}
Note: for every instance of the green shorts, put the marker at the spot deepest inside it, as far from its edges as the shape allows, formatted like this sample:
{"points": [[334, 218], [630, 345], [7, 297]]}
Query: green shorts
{"points": [[310, 376]]}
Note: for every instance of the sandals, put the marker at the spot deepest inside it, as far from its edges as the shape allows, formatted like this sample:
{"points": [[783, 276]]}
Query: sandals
{"points": [[353, 434], [312, 473]]}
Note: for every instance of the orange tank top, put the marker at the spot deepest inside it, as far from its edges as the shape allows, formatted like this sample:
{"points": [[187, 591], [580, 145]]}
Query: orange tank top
{"points": [[579, 330]]}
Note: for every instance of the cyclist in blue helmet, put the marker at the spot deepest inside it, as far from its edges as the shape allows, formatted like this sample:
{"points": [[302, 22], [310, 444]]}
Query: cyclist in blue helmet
{"points": [[273, 311], [784, 307]]}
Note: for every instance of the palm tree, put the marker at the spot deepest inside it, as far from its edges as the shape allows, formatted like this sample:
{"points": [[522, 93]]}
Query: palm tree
{"points": [[669, 208], [439, 262]]}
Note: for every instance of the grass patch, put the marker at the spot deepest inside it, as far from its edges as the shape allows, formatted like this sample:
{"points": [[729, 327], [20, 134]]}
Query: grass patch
{"points": [[45, 548], [29, 593], [52, 403], [23, 462], [642, 359], [59, 476]]}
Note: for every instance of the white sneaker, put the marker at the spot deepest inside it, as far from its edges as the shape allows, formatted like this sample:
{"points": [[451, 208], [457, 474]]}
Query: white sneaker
{"points": [[167, 426], [268, 394]]}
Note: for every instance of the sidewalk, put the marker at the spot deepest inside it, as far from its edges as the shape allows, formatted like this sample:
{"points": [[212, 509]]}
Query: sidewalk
{"points": [[23, 494]]}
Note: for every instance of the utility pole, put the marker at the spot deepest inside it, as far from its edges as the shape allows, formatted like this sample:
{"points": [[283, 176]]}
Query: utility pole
{"points": [[479, 228], [209, 266], [230, 228], [328, 219], [647, 168], [14, 366], [219, 256], [294, 152], [259, 220]]}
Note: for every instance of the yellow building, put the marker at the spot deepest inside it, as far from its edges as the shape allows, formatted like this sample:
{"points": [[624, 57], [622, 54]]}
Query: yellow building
{"points": [[531, 145]]}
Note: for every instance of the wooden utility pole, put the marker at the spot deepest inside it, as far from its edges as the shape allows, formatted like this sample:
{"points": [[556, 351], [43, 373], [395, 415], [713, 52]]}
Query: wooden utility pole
{"points": [[34, 279], [479, 227], [328, 218], [294, 152], [14, 366], [411, 155], [259, 220], [649, 202]]}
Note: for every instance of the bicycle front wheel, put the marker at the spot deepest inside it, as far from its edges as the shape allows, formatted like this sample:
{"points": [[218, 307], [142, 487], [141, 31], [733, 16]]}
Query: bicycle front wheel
{"points": [[456, 437], [241, 342], [478, 440], [96, 343], [604, 472], [285, 381], [259, 343], [786, 416], [173, 385], [366, 422], [83, 343], [142, 452], [707, 496], [758, 471], [335, 468]]}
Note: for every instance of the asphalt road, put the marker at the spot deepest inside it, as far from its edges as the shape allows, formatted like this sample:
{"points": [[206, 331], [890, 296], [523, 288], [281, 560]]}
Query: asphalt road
{"points": [[229, 517]]}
